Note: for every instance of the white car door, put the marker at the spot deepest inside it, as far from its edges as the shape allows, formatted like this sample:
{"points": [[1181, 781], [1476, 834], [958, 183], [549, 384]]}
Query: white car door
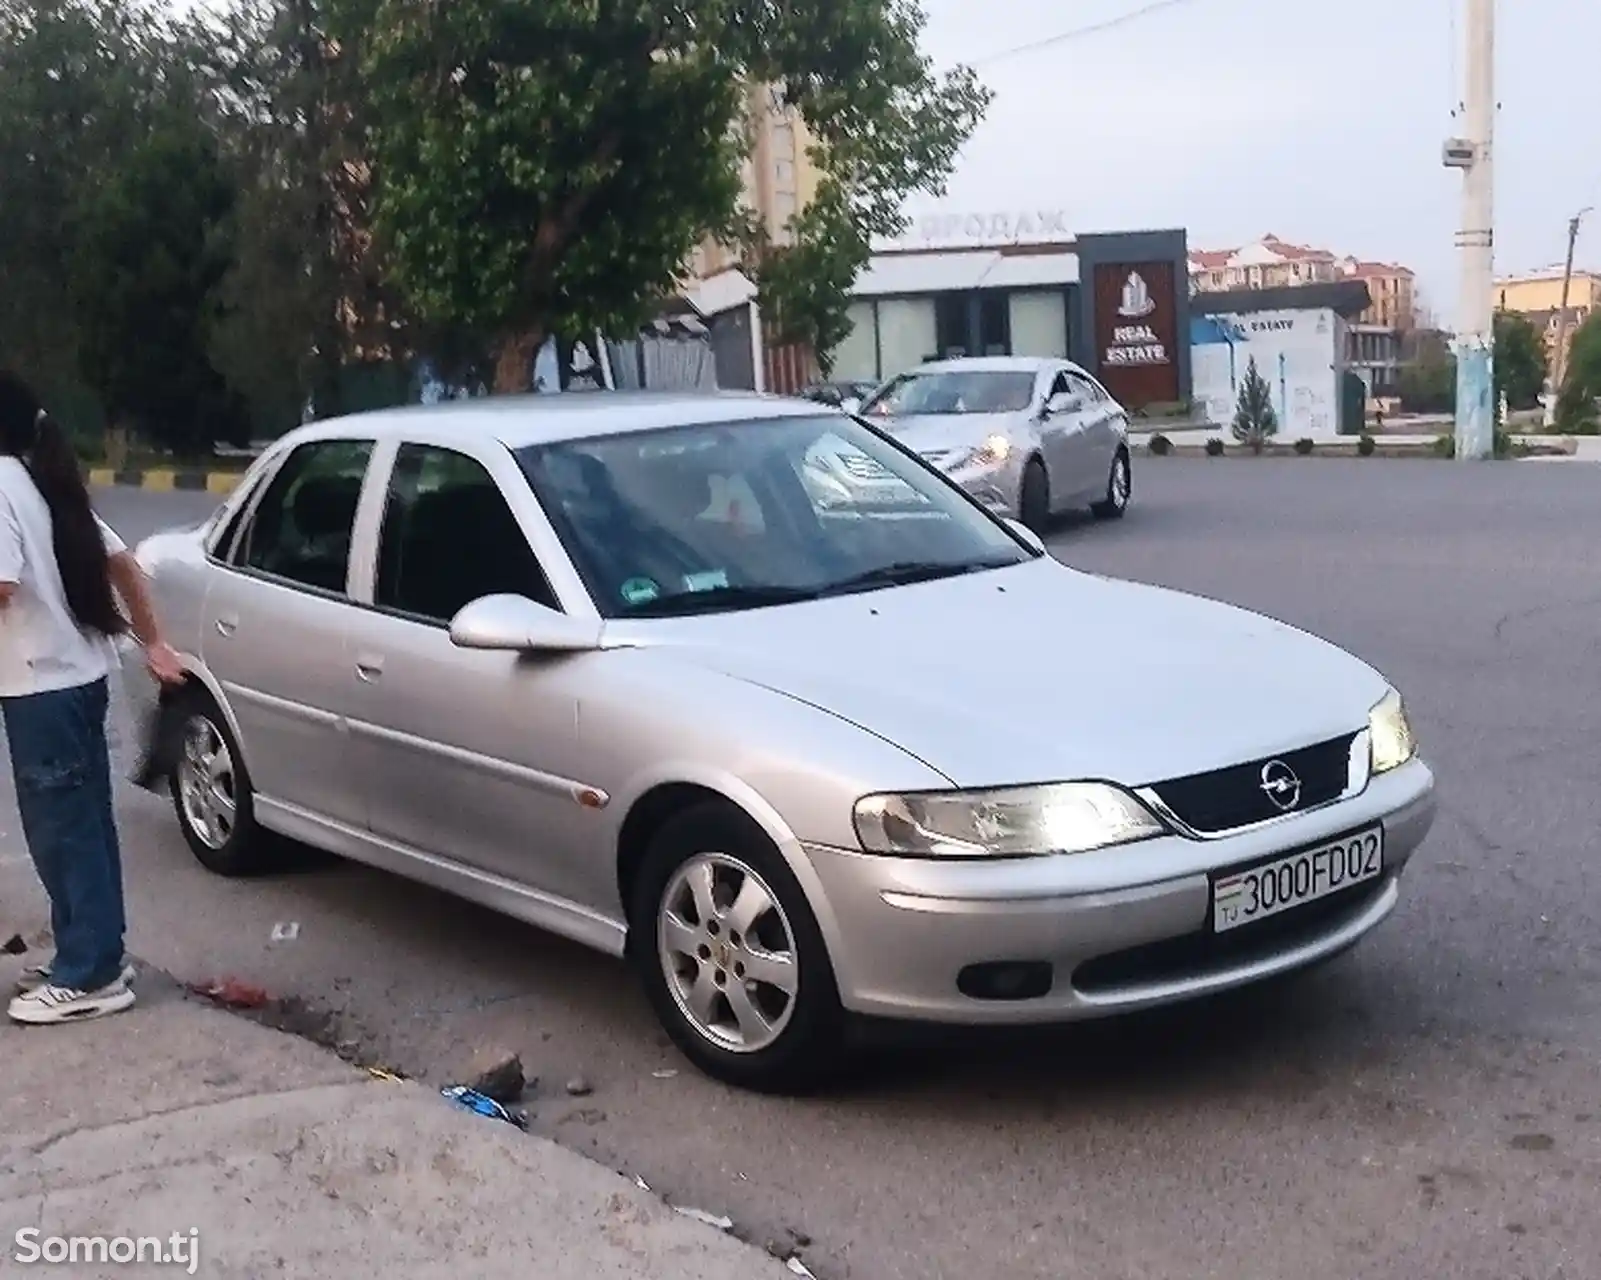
{"points": [[275, 625], [1069, 475], [469, 755], [1109, 428]]}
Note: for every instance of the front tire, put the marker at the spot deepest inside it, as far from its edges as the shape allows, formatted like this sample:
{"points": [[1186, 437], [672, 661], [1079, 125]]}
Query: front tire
{"points": [[1034, 498], [1119, 488], [731, 955], [211, 792]]}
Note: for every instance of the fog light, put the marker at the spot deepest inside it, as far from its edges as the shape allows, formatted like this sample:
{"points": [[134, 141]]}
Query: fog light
{"points": [[1005, 980]]}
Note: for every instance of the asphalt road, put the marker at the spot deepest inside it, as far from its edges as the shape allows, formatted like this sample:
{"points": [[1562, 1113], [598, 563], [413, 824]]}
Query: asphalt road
{"points": [[1427, 1106]]}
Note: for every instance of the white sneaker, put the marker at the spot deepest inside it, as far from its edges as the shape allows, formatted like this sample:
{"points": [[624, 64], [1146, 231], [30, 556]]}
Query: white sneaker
{"points": [[51, 1004], [38, 975]]}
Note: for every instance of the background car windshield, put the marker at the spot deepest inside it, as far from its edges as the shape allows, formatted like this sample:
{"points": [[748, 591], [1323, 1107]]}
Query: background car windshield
{"points": [[707, 517], [955, 391]]}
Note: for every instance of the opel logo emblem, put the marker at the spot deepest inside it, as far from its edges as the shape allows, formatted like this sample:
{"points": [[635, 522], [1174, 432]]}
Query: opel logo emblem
{"points": [[722, 954], [1281, 785]]}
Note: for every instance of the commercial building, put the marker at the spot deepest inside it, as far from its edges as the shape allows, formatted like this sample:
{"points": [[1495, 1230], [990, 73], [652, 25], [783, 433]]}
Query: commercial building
{"points": [[1299, 337], [1376, 337], [1019, 284]]}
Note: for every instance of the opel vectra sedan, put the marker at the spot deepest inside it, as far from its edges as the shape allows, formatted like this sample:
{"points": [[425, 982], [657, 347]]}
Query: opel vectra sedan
{"points": [[603, 663]]}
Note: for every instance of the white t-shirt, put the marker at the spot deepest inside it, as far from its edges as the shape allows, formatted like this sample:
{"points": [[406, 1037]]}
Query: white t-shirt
{"points": [[42, 648]]}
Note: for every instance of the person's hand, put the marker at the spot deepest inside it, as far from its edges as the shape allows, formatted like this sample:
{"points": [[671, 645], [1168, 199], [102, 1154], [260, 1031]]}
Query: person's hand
{"points": [[164, 663]]}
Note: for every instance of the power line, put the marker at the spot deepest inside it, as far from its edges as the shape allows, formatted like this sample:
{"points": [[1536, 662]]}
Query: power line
{"points": [[1078, 33]]}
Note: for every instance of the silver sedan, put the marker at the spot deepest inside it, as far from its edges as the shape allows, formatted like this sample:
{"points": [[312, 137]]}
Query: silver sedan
{"points": [[604, 663], [1029, 438]]}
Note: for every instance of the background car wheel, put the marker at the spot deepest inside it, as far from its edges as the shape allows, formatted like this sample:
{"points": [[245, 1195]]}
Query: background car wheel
{"points": [[731, 956], [1119, 488], [212, 794], [1034, 498]]}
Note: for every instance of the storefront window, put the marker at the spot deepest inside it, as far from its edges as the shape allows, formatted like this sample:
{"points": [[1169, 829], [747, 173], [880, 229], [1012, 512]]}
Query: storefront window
{"points": [[906, 333], [857, 357], [1039, 324]]}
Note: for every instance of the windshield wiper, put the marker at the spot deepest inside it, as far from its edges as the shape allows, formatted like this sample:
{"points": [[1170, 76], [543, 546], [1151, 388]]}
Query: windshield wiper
{"points": [[904, 572], [714, 599]]}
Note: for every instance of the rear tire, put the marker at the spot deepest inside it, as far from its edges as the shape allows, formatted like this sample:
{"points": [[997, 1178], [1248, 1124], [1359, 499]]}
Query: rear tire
{"points": [[744, 988], [212, 794], [1119, 488], [1034, 498]]}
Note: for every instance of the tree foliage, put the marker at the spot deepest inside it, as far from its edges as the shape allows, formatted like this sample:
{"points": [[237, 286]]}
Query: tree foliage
{"points": [[548, 168], [1255, 422], [1581, 380], [1520, 364], [153, 244]]}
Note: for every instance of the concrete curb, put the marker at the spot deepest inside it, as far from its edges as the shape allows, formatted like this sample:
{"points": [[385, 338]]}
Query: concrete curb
{"points": [[166, 479], [1548, 448]]}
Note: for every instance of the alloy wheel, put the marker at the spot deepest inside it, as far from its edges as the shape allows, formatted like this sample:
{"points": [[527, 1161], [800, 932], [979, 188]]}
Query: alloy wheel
{"points": [[728, 953], [207, 784]]}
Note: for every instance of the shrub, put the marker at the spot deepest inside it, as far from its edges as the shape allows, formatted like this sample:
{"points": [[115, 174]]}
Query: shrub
{"points": [[1160, 445], [1214, 448], [1365, 445], [1303, 446]]}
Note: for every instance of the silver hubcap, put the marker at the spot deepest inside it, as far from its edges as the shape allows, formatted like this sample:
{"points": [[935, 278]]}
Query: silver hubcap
{"points": [[728, 953], [1120, 482], [207, 784]]}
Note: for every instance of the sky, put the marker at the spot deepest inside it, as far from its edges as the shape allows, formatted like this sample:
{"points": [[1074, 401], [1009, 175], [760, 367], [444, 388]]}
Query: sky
{"points": [[1319, 122]]}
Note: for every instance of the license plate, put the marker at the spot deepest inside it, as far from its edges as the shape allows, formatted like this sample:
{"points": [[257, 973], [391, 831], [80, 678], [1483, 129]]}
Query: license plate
{"points": [[1292, 881]]}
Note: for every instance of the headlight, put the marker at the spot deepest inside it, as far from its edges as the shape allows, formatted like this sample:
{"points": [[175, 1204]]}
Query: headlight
{"points": [[1390, 736], [994, 451], [1069, 817]]}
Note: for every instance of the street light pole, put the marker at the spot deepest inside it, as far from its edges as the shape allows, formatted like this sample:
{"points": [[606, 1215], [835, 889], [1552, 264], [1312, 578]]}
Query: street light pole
{"points": [[1473, 154], [1560, 359]]}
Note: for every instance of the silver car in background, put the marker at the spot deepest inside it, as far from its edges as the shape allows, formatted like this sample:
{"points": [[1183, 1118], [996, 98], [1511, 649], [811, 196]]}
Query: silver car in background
{"points": [[1029, 438], [608, 664]]}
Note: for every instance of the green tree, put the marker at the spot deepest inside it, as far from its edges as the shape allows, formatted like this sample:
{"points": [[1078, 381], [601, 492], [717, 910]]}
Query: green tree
{"points": [[1255, 423], [1520, 370], [152, 248], [547, 169], [77, 82], [1581, 381]]}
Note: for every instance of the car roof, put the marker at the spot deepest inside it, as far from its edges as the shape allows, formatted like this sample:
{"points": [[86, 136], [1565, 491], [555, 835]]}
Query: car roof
{"points": [[520, 420], [996, 364]]}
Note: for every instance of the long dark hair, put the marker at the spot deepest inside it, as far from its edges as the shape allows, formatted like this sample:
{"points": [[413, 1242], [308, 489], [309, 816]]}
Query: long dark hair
{"points": [[29, 433]]}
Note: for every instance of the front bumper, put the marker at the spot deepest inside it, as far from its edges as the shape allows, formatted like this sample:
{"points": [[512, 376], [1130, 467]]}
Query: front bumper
{"points": [[903, 929]]}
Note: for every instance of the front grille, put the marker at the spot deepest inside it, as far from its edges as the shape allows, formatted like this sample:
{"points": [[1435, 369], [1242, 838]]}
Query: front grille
{"points": [[1205, 954], [1224, 799]]}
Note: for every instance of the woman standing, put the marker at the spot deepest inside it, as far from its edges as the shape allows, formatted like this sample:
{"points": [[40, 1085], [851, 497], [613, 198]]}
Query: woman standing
{"points": [[61, 572]]}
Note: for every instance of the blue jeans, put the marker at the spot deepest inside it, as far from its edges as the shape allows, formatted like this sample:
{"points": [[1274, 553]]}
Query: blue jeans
{"points": [[61, 764]]}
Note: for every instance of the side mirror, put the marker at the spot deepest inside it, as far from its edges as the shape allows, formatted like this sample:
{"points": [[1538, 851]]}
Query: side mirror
{"points": [[1026, 535], [516, 624], [1061, 402]]}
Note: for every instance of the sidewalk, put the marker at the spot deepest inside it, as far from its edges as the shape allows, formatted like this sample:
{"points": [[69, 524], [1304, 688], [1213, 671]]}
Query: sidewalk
{"points": [[290, 1163]]}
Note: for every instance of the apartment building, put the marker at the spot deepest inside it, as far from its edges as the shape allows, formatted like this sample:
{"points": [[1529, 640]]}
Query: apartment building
{"points": [[777, 177], [1538, 296], [1375, 338]]}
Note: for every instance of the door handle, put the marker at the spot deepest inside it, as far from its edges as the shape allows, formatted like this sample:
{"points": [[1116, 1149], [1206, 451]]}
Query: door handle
{"points": [[227, 624], [369, 666]]}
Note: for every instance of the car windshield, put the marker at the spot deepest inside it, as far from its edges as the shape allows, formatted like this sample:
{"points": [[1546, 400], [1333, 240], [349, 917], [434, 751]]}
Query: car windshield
{"points": [[724, 516], [954, 391]]}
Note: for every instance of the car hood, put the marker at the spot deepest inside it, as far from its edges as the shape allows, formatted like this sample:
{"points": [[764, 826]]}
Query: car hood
{"points": [[1040, 673], [934, 433]]}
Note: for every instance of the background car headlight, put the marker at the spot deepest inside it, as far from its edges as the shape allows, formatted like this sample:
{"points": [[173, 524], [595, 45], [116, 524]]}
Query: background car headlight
{"points": [[1069, 817], [995, 450], [1390, 734]]}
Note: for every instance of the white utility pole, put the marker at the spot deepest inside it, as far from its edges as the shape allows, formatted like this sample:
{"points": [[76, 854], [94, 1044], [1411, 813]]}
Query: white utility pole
{"points": [[1473, 154], [1560, 358]]}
